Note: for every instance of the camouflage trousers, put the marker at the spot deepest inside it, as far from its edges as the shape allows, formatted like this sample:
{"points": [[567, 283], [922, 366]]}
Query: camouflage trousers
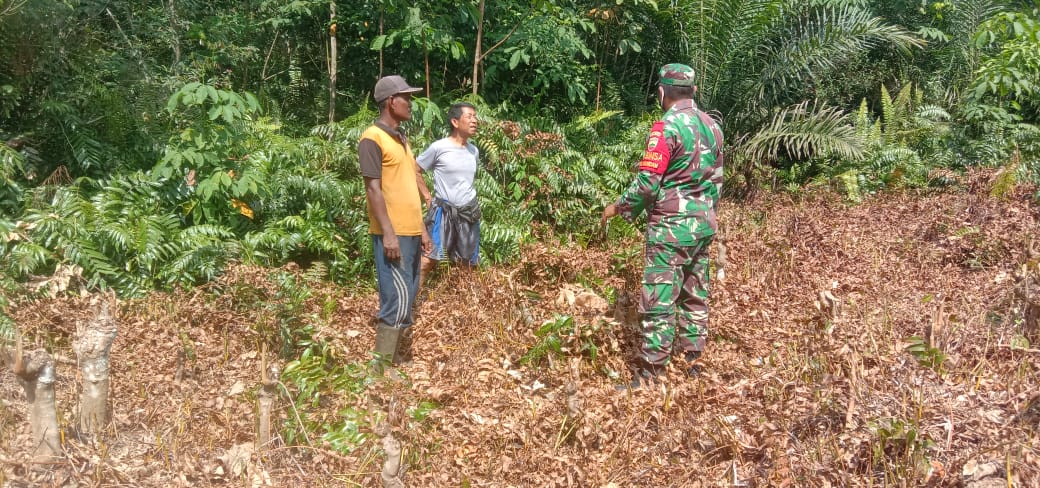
{"points": [[674, 299]]}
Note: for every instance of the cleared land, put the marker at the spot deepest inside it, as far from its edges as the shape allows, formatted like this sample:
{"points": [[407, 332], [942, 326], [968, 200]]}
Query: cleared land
{"points": [[912, 369]]}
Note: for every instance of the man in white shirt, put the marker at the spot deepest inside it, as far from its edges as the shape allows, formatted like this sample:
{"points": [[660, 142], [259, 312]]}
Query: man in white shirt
{"points": [[453, 218]]}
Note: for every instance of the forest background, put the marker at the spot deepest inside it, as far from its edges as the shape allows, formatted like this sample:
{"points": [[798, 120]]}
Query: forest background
{"points": [[149, 144], [153, 145]]}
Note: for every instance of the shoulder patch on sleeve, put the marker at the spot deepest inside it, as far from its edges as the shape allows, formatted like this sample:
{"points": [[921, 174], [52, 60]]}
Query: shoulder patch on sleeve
{"points": [[657, 155]]}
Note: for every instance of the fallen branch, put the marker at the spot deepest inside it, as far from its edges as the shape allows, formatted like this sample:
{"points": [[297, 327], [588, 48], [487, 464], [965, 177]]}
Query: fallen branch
{"points": [[319, 450]]}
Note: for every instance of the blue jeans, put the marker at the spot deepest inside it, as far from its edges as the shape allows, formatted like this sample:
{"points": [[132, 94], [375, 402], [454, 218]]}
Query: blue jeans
{"points": [[398, 280]]}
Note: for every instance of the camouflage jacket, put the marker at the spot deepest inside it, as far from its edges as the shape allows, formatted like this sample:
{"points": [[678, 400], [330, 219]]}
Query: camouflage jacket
{"points": [[680, 178]]}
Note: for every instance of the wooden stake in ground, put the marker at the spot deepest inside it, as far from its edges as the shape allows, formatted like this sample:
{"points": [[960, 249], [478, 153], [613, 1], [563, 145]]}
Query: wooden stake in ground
{"points": [[269, 377], [37, 375], [93, 345], [1028, 291]]}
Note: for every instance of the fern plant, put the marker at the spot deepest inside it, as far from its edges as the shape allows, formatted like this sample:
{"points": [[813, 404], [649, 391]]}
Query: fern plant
{"points": [[899, 147], [123, 237], [557, 175]]}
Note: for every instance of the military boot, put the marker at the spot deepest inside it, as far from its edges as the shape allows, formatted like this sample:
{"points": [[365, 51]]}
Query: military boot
{"points": [[645, 375], [693, 369]]}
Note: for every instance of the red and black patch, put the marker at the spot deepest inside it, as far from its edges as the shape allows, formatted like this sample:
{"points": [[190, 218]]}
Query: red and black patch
{"points": [[657, 155]]}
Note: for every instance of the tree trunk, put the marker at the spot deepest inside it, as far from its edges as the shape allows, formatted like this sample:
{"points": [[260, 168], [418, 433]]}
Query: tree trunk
{"points": [[426, 59], [599, 85], [476, 50], [175, 38], [381, 9], [93, 345], [332, 61], [479, 53], [37, 375], [599, 72], [1028, 290]]}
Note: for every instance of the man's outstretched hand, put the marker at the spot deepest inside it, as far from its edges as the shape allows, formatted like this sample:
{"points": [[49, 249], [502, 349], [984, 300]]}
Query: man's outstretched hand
{"points": [[608, 213]]}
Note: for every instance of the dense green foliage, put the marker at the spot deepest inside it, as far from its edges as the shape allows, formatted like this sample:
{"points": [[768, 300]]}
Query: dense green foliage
{"points": [[148, 145]]}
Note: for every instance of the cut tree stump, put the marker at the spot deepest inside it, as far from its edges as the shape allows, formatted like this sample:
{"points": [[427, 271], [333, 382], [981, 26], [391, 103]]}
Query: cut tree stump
{"points": [[392, 468], [93, 345], [36, 373]]}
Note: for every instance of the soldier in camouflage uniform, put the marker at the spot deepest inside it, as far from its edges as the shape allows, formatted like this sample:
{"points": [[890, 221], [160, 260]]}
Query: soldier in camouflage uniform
{"points": [[678, 185]]}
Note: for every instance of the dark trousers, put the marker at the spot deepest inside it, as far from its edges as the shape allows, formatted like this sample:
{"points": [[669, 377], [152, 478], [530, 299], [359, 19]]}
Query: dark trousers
{"points": [[398, 280]]}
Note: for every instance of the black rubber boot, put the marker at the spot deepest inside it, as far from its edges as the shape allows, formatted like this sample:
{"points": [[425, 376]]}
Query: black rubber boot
{"points": [[692, 368]]}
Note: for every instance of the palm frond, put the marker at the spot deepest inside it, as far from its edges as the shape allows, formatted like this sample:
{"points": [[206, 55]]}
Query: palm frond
{"points": [[723, 34], [820, 41], [804, 132]]}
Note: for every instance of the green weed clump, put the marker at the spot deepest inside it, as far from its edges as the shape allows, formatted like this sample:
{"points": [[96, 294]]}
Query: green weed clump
{"points": [[902, 449], [563, 335], [926, 355], [318, 381]]}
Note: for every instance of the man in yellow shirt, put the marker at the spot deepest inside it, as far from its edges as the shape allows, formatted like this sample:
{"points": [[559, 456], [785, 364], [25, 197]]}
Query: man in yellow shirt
{"points": [[393, 188]]}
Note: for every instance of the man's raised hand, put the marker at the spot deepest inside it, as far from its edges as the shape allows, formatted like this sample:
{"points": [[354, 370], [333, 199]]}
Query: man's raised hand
{"points": [[608, 213]]}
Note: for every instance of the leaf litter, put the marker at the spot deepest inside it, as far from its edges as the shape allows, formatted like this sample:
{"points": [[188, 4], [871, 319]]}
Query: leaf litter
{"points": [[809, 379]]}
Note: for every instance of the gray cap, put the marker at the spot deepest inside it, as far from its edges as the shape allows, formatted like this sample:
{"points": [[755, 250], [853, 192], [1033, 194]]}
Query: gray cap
{"points": [[389, 86]]}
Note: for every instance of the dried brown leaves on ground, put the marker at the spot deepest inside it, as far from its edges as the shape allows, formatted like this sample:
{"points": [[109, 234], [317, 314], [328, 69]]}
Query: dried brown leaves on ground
{"points": [[880, 344]]}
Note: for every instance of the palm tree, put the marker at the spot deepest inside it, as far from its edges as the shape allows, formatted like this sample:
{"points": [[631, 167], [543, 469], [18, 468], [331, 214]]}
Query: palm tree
{"points": [[759, 62]]}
